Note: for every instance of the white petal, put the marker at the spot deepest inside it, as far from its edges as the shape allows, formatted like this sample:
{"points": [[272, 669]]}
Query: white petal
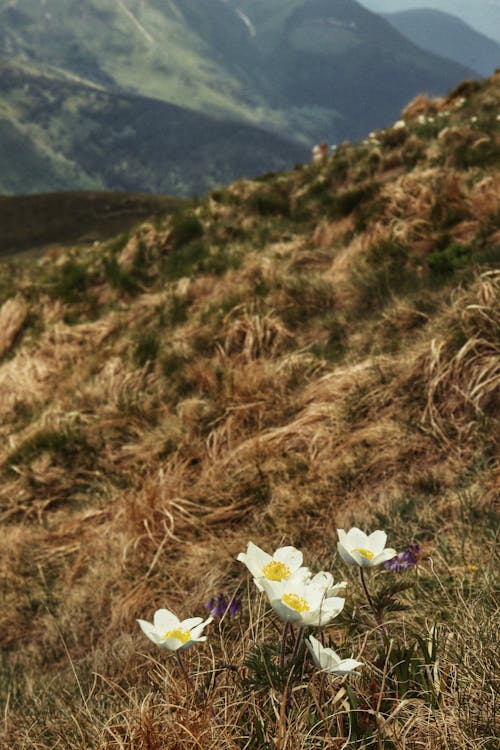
{"points": [[361, 560], [174, 644], [387, 554], [164, 620], [323, 580], [290, 556], [302, 575], [346, 666], [195, 632], [345, 555], [149, 630], [337, 589], [191, 622], [192, 642], [335, 603], [376, 542], [273, 589], [255, 559], [356, 538], [286, 613], [315, 647], [259, 586]]}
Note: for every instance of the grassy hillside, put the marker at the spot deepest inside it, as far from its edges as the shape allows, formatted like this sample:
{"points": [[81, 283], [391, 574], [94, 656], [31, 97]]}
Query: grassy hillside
{"points": [[31, 222], [62, 134], [176, 50], [291, 355]]}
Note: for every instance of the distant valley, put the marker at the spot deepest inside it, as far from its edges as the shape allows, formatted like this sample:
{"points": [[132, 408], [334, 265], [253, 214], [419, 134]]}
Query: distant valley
{"points": [[177, 96]]}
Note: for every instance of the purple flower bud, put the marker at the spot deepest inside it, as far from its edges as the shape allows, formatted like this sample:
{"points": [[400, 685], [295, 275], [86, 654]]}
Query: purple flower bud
{"points": [[405, 560], [218, 606]]}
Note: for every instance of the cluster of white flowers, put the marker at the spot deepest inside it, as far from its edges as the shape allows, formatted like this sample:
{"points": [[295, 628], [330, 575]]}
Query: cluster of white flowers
{"points": [[295, 594], [425, 120]]}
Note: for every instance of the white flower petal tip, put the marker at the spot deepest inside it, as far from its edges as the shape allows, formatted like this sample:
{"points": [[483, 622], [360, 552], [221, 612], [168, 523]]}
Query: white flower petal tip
{"points": [[357, 548], [328, 661], [168, 632]]}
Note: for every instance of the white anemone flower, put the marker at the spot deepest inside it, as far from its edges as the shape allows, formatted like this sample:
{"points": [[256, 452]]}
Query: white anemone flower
{"points": [[324, 581], [366, 551], [328, 661], [167, 631], [282, 565], [302, 602]]}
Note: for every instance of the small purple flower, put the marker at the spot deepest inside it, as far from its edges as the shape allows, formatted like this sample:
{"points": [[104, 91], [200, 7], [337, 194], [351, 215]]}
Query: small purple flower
{"points": [[405, 560], [218, 606]]}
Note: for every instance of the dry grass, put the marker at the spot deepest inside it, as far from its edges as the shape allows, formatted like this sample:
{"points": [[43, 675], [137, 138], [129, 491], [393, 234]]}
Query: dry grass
{"points": [[332, 376]]}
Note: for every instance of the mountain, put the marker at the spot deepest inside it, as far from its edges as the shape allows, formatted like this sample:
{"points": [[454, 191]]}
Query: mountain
{"points": [[280, 359], [338, 69], [180, 95], [186, 52], [482, 15], [446, 35], [59, 133]]}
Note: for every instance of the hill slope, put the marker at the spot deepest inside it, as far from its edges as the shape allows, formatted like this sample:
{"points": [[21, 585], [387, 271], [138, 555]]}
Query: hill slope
{"points": [[448, 36], [338, 69], [177, 51], [59, 133], [482, 15], [311, 350], [115, 95]]}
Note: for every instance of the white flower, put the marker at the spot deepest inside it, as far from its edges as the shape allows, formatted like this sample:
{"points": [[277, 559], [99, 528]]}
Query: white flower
{"points": [[399, 125], [357, 548], [324, 581], [302, 602], [327, 660], [167, 631], [284, 563]]}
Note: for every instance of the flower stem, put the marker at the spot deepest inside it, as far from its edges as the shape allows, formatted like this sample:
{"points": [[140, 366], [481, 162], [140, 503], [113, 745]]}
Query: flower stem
{"points": [[297, 643], [378, 615], [283, 645], [188, 679]]}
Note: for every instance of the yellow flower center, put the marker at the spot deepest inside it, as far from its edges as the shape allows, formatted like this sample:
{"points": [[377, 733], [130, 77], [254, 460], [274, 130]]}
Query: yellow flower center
{"points": [[364, 553], [276, 571], [182, 635], [296, 602]]}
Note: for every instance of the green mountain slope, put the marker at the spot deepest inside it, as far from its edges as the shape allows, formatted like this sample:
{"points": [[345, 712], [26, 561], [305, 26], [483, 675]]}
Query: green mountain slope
{"points": [[103, 88], [60, 134], [482, 15], [333, 57], [181, 51], [447, 35]]}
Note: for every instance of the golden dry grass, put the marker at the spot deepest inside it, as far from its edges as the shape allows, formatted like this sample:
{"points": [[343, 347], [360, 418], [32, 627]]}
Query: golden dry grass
{"points": [[313, 370]]}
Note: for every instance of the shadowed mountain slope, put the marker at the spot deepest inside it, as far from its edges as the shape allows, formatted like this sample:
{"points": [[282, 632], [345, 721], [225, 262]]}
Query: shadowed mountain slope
{"points": [[59, 133], [448, 36]]}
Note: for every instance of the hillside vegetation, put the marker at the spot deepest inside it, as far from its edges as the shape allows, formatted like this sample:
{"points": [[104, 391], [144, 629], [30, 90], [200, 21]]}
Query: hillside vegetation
{"points": [[286, 356], [179, 96], [62, 134]]}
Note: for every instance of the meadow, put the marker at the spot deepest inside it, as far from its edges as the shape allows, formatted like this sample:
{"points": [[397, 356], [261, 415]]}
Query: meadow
{"points": [[286, 357]]}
